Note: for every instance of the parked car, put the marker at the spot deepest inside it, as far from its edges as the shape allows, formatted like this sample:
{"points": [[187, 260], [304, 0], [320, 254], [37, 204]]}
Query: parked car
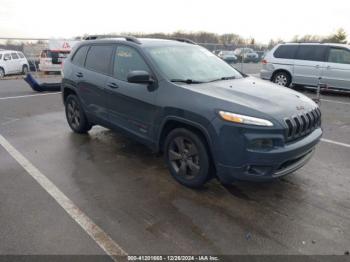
{"points": [[180, 99], [246, 55], [51, 60], [227, 56], [12, 62], [308, 64]]}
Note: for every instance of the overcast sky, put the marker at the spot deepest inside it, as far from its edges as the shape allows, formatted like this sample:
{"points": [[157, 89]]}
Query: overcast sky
{"points": [[260, 19]]}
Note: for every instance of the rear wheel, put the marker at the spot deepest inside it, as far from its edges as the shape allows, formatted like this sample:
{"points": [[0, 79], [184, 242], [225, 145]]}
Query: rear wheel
{"points": [[187, 157], [2, 73], [75, 115], [282, 78]]}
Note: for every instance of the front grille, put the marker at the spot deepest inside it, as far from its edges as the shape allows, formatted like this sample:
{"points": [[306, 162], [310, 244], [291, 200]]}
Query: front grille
{"points": [[302, 124]]}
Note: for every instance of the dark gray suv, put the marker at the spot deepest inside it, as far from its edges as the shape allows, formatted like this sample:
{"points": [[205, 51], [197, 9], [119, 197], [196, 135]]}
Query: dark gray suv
{"points": [[178, 98]]}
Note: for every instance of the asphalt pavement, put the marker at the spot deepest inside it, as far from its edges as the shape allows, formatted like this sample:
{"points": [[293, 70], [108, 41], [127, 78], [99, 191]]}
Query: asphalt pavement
{"points": [[127, 191]]}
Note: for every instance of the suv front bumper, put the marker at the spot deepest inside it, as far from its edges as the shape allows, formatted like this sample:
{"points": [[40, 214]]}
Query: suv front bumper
{"points": [[267, 165]]}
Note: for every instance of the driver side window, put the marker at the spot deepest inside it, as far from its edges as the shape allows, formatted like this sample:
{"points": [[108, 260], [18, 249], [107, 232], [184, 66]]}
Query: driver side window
{"points": [[7, 57], [127, 59]]}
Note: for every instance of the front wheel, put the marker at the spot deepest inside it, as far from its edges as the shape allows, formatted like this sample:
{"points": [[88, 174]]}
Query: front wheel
{"points": [[187, 157], [25, 70], [75, 115], [2, 73], [282, 79]]}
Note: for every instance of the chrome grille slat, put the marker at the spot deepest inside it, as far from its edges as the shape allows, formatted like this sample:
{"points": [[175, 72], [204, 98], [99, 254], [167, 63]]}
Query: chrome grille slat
{"points": [[301, 125]]}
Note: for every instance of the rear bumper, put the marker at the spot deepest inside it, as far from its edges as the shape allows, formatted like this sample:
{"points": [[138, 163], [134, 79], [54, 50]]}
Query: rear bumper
{"points": [[50, 68], [265, 166], [265, 74]]}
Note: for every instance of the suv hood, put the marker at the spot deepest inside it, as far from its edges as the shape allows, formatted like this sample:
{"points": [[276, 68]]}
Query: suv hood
{"points": [[258, 95]]}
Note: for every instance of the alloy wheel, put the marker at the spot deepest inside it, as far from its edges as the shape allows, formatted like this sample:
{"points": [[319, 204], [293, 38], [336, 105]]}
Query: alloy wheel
{"points": [[281, 80], [184, 157], [73, 114]]}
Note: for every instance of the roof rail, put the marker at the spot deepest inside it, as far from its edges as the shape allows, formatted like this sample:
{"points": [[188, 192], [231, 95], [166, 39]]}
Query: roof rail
{"points": [[184, 40], [127, 38]]}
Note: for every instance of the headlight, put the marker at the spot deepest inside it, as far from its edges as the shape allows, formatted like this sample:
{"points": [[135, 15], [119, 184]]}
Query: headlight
{"points": [[242, 119]]}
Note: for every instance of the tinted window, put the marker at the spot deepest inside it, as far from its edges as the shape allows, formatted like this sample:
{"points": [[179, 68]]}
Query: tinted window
{"points": [[14, 56], [98, 58], [311, 52], [338, 55], [127, 59], [286, 51], [80, 55], [7, 57], [20, 55], [0, 56]]}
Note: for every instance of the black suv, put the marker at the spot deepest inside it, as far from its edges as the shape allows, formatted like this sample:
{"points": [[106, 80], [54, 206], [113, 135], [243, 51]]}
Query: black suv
{"points": [[180, 99]]}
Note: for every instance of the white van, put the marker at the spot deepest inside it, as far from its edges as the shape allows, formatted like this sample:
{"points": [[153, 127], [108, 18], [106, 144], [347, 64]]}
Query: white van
{"points": [[12, 62], [308, 64]]}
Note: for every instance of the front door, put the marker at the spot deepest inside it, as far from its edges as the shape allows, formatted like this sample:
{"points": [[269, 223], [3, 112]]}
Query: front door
{"points": [[131, 106], [9, 64], [337, 71]]}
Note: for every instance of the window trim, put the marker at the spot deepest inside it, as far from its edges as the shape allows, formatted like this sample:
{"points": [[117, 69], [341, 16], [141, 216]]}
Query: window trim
{"points": [[109, 66], [153, 76], [335, 47]]}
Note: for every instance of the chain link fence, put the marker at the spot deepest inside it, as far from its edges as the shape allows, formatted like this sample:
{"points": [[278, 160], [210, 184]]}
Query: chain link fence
{"points": [[248, 57]]}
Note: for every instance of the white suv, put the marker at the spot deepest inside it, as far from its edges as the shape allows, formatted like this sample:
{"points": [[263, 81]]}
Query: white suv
{"points": [[308, 64], [12, 62]]}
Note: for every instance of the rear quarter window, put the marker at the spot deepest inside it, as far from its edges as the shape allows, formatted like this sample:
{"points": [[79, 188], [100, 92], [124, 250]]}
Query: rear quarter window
{"points": [[311, 53], [80, 56], [286, 51], [0, 56], [20, 55]]}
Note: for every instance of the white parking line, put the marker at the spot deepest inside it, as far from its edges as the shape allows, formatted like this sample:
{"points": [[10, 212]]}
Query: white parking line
{"points": [[335, 142], [94, 231], [334, 101], [24, 96]]}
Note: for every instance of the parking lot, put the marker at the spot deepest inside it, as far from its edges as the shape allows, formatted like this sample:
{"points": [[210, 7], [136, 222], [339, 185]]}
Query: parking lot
{"points": [[131, 205]]}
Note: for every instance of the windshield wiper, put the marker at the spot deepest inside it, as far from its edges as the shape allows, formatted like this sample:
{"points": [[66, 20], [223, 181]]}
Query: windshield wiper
{"points": [[187, 81], [223, 78]]}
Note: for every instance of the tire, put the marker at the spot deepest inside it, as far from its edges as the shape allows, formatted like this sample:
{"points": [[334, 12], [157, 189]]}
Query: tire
{"points": [[25, 70], [2, 73], [282, 78], [75, 115], [187, 158]]}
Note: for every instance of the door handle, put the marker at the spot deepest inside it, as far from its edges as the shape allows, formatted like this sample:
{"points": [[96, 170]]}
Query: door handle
{"points": [[317, 66], [328, 67], [112, 85], [79, 74]]}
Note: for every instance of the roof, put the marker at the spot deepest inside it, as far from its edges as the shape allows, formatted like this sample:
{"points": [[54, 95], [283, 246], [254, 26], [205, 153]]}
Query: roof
{"points": [[327, 44], [142, 41], [4, 50]]}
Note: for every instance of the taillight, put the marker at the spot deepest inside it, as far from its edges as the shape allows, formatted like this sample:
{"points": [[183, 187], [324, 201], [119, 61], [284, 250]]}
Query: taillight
{"points": [[264, 61]]}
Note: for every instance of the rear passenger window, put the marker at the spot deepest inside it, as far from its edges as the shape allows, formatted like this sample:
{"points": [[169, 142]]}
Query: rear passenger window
{"points": [[286, 51], [7, 57], [127, 59], [14, 56], [80, 55], [98, 58], [338, 55], [20, 55], [311, 53], [0, 56]]}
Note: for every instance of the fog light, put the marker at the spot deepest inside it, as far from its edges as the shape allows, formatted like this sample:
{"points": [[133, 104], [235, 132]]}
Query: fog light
{"points": [[261, 144]]}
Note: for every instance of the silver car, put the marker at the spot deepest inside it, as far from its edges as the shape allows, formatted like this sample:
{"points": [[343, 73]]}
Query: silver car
{"points": [[308, 64]]}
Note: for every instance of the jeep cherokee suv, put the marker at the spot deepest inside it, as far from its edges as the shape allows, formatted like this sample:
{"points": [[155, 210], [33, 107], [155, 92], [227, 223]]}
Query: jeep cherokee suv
{"points": [[180, 99]]}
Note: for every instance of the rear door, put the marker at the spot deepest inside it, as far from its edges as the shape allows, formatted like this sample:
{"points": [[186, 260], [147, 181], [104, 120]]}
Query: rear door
{"points": [[131, 106], [337, 71], [309, 63], [91, 79]]}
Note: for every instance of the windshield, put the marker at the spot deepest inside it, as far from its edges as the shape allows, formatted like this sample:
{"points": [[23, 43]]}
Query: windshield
{"points": [[191, 62]]}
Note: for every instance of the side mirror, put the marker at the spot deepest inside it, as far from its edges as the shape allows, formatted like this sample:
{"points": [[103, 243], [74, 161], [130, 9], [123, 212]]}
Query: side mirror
{"points": [[140, 77]]}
